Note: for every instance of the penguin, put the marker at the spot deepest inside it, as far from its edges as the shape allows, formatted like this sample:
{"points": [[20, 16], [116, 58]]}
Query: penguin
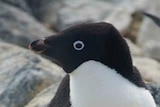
{"points": [[98, 66]]}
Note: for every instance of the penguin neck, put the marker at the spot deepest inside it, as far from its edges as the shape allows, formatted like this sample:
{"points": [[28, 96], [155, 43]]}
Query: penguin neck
{"points": [[93, 84]]}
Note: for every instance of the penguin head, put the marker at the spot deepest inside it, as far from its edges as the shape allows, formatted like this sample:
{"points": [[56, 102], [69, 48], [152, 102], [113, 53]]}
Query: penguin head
{"points": [[78, 44]]}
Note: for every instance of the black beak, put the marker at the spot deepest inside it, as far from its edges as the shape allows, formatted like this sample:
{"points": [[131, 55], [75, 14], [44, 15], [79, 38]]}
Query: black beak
{"points": [[39, 46]]}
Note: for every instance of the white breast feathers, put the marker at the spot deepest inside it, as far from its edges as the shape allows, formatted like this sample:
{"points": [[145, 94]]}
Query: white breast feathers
{"points": [[93, 84]]}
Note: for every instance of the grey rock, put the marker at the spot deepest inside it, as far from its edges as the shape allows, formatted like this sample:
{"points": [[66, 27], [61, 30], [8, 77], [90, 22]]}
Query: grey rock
{"points": [[114, 11], [19, 27], [141, 4], [155, 91], [74, 12], [44, 97], [125, 18], [154, 18], [148, 37], [149, 68], [45, 10], [23, 75], [134, 49], [152, 49], [120, 17], [21, 4]]}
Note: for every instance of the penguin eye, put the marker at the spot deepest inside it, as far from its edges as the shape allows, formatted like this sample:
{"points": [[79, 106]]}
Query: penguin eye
{"points": [[78, 45]]}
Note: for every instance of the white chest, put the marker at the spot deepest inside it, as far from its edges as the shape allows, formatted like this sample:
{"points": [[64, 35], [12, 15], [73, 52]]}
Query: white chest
{"points": [[96, 85]]}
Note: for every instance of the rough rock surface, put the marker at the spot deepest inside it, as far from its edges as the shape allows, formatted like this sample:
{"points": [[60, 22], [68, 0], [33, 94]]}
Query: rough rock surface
{"points": [[21, 4], [44, 97], [135, 50], [45, 10], [149, 68], [120, 17], [81, 11], [19, 27], [117, 12], [148, 36], [23, 75]]}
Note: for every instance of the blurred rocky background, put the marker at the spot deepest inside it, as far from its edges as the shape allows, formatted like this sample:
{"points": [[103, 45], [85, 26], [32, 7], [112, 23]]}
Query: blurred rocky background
{"points": [[30, 80]]}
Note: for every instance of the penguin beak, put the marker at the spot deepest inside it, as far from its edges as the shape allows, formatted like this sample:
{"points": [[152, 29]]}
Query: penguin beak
{"points": [[39, 46]]}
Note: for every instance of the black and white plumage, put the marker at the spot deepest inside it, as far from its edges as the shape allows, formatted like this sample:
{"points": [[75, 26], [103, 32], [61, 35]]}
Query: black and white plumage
{"points": [[99, 68]]}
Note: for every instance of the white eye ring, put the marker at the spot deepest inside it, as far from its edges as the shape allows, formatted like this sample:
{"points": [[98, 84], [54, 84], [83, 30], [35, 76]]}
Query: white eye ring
{"points": [[80, 43]]}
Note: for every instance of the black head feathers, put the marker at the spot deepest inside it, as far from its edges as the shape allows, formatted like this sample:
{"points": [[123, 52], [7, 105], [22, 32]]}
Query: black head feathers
{"points": [[96, 41]]}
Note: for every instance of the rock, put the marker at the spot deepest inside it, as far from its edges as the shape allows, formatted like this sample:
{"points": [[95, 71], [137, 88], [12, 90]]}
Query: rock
{"points": [[45, 10], [43, 98], [152, 49], [19, 27], [149, 68], [135, 50], [141, 4], [148, 37], [125, 18], [74, 12], [120, 18], [116, 12], [21, 4], [155, 91], [23, 75]]}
